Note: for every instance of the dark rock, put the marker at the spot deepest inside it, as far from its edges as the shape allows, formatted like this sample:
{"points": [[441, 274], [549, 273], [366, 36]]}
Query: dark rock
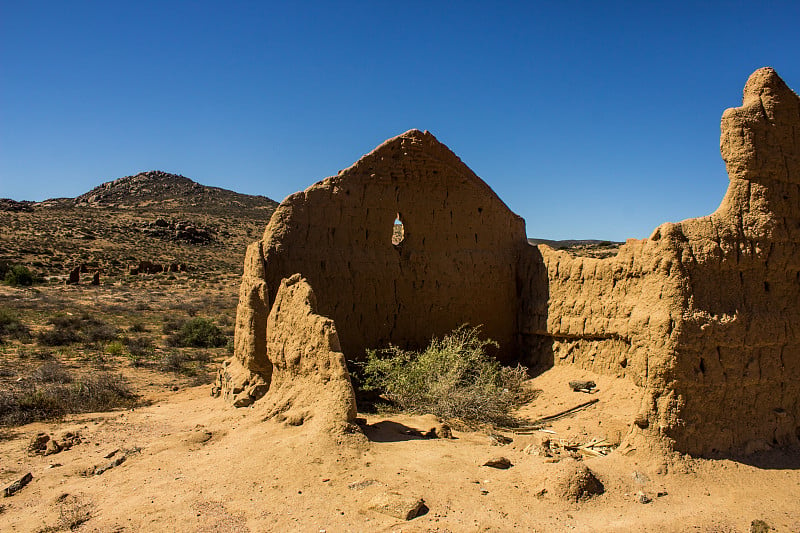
{"points": [[108, 466], [582, 386], [96, 278], [17, 485], [74, 276], [499, 462]]}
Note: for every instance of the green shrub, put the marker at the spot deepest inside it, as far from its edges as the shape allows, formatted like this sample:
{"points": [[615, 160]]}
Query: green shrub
{"points": [[454, 378], [19, 275], [198, 333], [115, 348]]}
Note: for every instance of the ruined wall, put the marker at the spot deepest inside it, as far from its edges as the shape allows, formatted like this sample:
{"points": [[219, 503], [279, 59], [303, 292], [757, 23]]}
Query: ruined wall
{"points": [[309, 381], [456, 264], [704, 314]]}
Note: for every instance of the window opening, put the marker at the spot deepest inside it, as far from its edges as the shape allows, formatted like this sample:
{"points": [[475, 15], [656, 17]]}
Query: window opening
{"points": [[398, 231]]}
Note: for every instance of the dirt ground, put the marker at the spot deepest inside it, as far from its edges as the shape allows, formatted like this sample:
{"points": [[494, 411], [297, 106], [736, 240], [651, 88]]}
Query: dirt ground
{"points": [[195, 464]]}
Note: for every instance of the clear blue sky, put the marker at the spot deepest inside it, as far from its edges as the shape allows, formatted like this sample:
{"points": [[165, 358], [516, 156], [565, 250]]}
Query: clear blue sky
{"points": [[590, 119]]}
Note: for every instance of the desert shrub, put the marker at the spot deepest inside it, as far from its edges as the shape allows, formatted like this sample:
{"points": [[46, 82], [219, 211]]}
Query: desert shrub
{"points": [[32, 400], [11, 326], [52, 372], [69, 329], [115, 348], [174, 361], [138, 327], [58, 337], [19, 275], [171, 325], [96, 331], [139, 350], [198, 333], [453, 378]]}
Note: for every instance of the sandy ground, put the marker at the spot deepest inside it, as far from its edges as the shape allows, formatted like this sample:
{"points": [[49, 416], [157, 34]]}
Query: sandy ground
{"points": [[194, 464]]}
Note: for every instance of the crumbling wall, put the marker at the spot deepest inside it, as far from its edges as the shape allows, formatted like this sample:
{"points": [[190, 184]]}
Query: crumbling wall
{"points": [[309, 380], [704, 314], [456, 264]]}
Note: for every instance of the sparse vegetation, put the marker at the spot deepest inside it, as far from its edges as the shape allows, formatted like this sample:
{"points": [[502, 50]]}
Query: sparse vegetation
{"points": [[19, 275], [454, 378], [51, 392], [140, 349], [198, 333], [11, 326], [69, 329]]}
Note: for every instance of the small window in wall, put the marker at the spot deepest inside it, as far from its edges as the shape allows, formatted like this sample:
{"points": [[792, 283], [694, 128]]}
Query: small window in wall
{"points": [[398, 231]]}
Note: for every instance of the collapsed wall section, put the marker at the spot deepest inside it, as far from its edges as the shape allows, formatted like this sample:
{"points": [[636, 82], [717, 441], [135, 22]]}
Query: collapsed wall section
{"points": [[704, 314], [309, 384]]}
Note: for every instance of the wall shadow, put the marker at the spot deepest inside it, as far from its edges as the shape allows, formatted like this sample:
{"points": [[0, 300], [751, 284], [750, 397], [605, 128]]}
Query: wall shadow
{"points": [[533, 289]]}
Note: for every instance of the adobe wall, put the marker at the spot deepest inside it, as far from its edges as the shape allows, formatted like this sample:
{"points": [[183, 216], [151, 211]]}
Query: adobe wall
{"points": [[457, 263], [704, 314]]}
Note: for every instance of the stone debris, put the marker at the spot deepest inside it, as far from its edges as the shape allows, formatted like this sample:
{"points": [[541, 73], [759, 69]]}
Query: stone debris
{"points": [[500, 462], [18, 485], [582, 386], [44, 444], [397, 505], [573, 481]]}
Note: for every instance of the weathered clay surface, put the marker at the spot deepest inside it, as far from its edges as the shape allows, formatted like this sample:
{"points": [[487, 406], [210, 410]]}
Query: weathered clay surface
{"points": [[456, 263], [704, 314], [310, 383]]}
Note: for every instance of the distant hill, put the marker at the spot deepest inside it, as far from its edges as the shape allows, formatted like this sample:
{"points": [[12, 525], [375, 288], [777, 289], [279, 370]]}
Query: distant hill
{"points": [[151, 216], [167, 191], [582, 247]]}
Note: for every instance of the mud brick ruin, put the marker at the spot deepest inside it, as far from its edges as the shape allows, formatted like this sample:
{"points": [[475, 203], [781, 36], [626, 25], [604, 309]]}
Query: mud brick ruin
{"points": [[703, 316]]}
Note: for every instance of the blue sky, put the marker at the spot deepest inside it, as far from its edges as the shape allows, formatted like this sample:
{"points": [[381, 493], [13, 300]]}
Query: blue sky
{"points": [[589, 119]]}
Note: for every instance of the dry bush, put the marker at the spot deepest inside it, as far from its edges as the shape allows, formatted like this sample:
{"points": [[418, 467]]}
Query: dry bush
{"points": [[69, 329], [31, 400], [52, 372], [140, 349], [12, 327], [453, 378]]}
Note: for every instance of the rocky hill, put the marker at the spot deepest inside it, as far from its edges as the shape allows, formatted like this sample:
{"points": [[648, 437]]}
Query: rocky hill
{"points": [[153, 216], [167, 191]]}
